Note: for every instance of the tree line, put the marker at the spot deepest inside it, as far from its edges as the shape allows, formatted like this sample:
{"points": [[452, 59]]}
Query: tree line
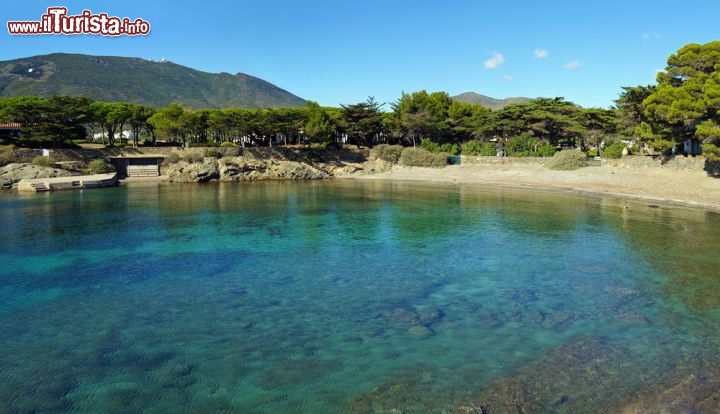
{"points": [[684, 104]]}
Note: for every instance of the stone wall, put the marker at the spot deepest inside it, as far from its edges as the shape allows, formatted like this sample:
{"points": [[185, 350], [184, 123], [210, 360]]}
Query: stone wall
{"points": [[477, 160], [631, 161], [86, 155]]}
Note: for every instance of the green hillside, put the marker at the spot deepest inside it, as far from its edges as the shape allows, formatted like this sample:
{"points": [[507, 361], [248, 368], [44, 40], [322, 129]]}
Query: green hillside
{"points": [[492, 103], [135, 80]]}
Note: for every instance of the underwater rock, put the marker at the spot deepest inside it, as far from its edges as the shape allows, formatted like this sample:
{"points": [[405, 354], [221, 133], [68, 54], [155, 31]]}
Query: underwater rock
{"points": [[420, 332], [575, 377], [430, 316]]}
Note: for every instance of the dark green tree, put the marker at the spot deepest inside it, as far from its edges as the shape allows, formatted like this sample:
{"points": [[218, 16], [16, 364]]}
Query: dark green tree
{"points": [[319, 128], [362, 122], [686, 103]]}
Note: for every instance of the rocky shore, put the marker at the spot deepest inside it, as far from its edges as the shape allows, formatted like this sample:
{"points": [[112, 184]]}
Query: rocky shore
{"points": [[681, 181], [11, 174]]}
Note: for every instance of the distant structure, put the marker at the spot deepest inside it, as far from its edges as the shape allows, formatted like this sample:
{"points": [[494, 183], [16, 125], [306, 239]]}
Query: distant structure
{"points": [[692, 147], [9, 132]]}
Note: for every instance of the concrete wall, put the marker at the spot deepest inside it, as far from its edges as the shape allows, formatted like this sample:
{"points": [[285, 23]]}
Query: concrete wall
{"points": [[632, 161]]}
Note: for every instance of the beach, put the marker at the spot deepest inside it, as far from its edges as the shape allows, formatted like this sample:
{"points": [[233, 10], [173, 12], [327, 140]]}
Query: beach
{"points": [[657, 185]]}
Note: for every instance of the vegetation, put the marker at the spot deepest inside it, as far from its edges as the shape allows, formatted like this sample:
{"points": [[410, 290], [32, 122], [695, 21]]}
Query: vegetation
{"points": [[479, 148], [567, 160], [448, 148], [98, 166], [613, 150], [419, 157], [654, 119], [389, 153], [43, 161], [711, 152]]}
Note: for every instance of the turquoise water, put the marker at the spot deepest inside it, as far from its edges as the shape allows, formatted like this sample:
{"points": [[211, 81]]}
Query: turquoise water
{"points": [[344, 296]]}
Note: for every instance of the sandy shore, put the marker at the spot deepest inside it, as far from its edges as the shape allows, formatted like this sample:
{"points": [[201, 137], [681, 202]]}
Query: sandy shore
{"points": [[656, 185]]}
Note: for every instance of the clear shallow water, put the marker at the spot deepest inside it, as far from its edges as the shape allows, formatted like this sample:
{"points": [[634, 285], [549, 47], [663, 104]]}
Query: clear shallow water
{"points": [[347, 297]]}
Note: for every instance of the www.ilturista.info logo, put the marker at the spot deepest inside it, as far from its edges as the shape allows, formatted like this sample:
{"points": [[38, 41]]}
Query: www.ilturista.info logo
{"points": [[57, 21]]}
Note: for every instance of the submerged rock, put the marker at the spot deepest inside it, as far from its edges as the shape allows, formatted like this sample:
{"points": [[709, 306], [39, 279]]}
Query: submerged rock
{"points": [[420, 332]]}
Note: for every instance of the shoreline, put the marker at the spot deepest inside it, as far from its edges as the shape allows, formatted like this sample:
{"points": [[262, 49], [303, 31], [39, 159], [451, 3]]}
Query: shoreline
{"points": [[679, 188], [656, 185]]}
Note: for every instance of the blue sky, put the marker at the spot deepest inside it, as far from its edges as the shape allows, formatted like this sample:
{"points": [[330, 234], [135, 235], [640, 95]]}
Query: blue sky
{"points": [[341, 52]]}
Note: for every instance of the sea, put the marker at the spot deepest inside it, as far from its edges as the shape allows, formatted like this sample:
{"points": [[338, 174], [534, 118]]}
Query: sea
{"points": [[354, 296]]}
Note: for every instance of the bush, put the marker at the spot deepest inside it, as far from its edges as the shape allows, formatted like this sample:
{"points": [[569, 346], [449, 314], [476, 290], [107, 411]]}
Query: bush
{"points": [[419, 157], [613, 150], [567, 160], [320, 145], [389, 153], [592, 152], [211, 153], [522, 145], [193, 156], [546, 150], [98, 166], [480, 148], [452, 149], [172, 158], [660, 145], [43, 161], [6, 158], [228, 144]]}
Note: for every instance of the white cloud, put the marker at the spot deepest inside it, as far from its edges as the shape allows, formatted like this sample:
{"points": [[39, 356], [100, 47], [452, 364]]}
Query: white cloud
{"points": [[650, 35], [540, 53], [574, 64], [507, 78], [496, 60]]}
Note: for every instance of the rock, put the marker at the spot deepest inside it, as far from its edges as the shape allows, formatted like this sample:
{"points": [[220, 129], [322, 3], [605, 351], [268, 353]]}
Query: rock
{"points": [[15, 172], [420, 332], [430, 316], [193, 172]]}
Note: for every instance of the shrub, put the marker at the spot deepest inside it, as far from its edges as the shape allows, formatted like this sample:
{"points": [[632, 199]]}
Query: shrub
{"points": [[613, 150], [592, 152], [6, 158], [320, 145], [660, 145], [211, 153], [171, 158], [193, 156], [522, 145], [43, 161], [567, 160], [546, 150], [481, 148], [228, 144], [98, 166], [389, 153], [419, 157], [452, 149]]}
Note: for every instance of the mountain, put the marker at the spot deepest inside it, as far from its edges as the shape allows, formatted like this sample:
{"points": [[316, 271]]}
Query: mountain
{"points": [[136, 80], [492, 103]]}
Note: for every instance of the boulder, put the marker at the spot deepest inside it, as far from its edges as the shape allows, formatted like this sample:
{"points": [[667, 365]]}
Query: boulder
{"points": [[193, 172], [12, 173]]}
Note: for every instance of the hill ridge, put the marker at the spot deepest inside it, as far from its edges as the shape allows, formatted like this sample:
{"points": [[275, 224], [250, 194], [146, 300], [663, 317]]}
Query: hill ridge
{"points": [[492, 103], [138, 80]]}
